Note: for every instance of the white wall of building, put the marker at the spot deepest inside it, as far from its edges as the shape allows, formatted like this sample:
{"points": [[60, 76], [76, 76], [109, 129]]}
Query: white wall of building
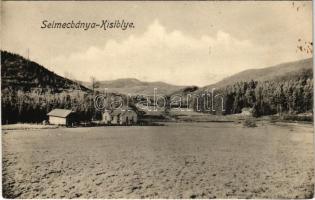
{"points": [[57, 120]]}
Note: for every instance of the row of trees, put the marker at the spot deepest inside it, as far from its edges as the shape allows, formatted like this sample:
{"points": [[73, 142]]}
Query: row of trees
{"points": [[33, 106], [286, 95], [20, 106]]}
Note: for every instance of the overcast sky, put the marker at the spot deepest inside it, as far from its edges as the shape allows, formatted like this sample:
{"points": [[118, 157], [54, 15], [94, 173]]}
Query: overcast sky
{"points": [[183, 43]]}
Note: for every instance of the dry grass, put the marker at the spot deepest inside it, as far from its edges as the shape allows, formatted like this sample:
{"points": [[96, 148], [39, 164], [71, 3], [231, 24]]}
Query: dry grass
{"points": [[21, 126], [179, 160]]}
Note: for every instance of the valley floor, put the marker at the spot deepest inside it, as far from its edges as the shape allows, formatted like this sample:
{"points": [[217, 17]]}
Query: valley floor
{"points": [[178, 160]]}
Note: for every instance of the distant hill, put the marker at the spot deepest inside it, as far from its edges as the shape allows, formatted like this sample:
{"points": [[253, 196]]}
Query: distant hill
{"points": [[284, 71], [134, 86], [280, 71], [18, 73], [185, 91]]}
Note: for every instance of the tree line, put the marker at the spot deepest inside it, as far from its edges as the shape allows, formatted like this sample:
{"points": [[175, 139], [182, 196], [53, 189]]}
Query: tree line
{"points": [[33, 106], [291, 94], [21, 106]]}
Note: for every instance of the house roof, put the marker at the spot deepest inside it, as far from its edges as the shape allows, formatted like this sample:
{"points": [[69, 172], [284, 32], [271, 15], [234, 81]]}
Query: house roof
{"points": [[59, 113]]}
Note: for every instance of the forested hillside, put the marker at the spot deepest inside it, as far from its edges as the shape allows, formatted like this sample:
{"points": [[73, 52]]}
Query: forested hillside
{"points": [[277, 72], [291, 93], [18, 73], [29, 92]]}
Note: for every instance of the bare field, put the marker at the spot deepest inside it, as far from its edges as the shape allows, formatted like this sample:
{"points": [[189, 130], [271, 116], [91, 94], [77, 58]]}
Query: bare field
{"points": [[178, 160]]}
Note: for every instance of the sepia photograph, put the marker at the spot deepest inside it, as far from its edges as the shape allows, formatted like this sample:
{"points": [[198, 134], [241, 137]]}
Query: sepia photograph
{"points": [[157, 100]]}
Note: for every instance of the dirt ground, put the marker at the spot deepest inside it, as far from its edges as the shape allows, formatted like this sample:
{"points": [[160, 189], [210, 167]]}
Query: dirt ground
{"points": [[178, 160]]}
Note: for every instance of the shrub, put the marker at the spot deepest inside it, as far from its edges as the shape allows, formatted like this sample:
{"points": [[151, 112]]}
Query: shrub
{"points": [[287, 117], [249, 122]]}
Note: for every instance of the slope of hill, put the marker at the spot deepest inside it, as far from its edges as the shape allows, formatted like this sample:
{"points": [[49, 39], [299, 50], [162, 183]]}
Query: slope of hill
{"points": [[134, 86], [18, 73], [265, 74]]}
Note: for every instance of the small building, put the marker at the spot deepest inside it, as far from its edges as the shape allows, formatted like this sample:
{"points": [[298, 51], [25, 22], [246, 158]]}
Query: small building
{"points": [[125, 116], [61, 117]]}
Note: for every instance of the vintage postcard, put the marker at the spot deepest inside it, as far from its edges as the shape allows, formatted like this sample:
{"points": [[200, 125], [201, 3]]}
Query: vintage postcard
{"points": [[157, 99]]}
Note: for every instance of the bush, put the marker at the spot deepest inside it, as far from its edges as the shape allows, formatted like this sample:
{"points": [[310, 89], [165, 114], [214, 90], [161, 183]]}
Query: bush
{"points": [[249, 122], [287, 117]]}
